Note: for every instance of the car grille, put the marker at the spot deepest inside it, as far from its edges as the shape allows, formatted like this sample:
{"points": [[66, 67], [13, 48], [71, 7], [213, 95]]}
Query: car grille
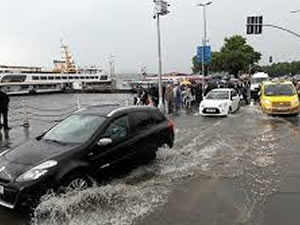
{"points": [[212, 111], [3, 181], [9, 196], [281, 104]]}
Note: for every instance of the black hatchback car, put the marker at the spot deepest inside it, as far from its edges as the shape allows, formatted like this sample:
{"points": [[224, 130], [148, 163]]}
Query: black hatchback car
{"points": [[77, 149]]}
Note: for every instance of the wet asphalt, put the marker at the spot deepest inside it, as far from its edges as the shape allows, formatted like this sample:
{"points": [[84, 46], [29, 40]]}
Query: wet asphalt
{"points": [[243, 169]]}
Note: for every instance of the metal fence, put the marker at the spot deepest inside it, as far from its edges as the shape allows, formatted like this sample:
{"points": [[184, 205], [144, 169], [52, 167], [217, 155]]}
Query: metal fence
{"points": [[26, 114]]}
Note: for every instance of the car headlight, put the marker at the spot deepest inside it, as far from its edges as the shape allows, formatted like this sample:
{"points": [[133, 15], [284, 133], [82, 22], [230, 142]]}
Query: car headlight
{"points": [[223, 105], [267, 102], [295, 102], [37, 171]]}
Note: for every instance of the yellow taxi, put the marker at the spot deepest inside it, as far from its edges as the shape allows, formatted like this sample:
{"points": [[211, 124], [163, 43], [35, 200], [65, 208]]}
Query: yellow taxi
{"points": [[279, 98]]}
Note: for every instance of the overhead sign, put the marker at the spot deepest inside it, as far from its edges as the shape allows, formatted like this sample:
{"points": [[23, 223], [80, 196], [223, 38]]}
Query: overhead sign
{"points": [[204, 51]]}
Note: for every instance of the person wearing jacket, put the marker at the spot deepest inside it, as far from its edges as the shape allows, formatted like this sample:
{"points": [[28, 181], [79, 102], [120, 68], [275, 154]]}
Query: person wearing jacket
{"points": [[4, 101]]}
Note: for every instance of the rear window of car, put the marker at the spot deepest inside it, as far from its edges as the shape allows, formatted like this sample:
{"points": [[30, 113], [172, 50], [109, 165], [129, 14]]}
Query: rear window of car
{"points": [[158, 117], [141, 121]]}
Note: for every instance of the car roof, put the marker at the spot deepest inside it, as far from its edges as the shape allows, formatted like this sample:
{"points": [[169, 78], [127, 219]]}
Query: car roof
{"points": [[277, 82], [111, 110], [222, 89]]}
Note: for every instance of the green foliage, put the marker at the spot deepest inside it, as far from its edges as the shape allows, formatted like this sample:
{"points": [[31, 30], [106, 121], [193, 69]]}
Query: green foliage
{"points": [[234, 57], [280, 69]]}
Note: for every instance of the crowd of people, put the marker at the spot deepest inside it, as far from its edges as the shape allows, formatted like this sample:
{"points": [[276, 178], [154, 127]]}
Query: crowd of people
{"points": [[188, 95]]}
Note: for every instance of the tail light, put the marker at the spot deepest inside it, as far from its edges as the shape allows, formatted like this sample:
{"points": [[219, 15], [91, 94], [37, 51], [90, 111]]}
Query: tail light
{"points": [[171, 125]]}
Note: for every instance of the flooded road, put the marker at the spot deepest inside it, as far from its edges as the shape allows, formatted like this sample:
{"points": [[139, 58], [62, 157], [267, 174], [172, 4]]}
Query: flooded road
{"points": [[243, 169]]}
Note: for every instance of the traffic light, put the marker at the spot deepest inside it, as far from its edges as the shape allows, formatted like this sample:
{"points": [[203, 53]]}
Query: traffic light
{"points": [[271, 59], [254, 24], [161, 7]]}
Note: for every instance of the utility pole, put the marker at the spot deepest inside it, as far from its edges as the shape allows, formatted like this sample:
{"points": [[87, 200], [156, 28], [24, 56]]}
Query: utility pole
{"points": [[161, 9], [204, 40]]}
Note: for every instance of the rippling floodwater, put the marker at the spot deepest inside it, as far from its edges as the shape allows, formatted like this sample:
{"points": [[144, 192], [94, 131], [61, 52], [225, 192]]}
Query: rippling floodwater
{"points": [[244, 148]]}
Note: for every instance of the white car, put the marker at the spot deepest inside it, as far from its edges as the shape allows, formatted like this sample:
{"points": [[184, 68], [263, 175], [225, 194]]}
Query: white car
{"points": [[220, 102]]}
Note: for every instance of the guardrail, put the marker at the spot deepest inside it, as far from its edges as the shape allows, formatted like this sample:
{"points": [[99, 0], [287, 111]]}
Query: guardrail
{"points": [[26, 114]]}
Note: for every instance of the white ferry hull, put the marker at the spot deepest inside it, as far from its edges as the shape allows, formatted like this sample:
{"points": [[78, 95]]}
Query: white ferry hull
{"points": [[22, 84]]}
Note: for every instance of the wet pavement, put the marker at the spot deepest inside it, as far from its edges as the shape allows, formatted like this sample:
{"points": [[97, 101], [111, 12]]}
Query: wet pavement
{"points": [[243, 169]]}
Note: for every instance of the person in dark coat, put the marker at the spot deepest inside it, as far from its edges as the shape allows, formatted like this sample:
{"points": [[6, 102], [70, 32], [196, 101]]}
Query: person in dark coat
{"points": [[4, 100], [154, 94], [245, 91], [198, 94], [210, 86]]}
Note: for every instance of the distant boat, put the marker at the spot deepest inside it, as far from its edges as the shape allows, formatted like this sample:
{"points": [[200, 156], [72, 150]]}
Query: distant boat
{"points": [[171, 78], [65, 76]]}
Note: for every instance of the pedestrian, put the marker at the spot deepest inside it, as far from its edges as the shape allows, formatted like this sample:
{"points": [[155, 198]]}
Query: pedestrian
{"points": [[169, 97], [177, 97], [154, 93], [145, 98], [4, 101], [210, 86], [188, 99], [198, 95], [245, 91]]}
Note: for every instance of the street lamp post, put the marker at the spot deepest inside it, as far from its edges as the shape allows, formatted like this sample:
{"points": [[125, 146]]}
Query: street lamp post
{"points": [[204, 40], [161, 9]]}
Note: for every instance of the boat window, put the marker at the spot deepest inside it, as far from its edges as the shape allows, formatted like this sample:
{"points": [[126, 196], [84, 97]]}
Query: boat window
{"points": [[13, 78], [50, 78], [43, 78], [81, 77], [76, 77], [87, 77], [58, 78], [64, 78], [92, 77], [97, 77], [103, 77], [71, 77], [35, 78]]}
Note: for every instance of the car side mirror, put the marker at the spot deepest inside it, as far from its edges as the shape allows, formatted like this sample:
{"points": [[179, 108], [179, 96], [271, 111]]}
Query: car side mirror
{"points": [[104, 142]]}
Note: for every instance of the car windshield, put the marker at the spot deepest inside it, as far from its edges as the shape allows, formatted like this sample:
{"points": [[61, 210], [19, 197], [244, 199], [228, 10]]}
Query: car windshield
{"points": [[258, 80], [279, 90], [75, 129], [218, 95]]}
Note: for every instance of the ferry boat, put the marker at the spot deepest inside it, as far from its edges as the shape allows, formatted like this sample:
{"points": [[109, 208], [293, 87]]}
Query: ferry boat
{"points": [[65, 76], [171, 78]]}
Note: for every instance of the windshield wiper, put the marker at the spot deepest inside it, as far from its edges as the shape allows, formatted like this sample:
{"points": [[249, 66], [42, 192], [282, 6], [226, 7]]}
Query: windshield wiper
{"points": [[54, 141]]}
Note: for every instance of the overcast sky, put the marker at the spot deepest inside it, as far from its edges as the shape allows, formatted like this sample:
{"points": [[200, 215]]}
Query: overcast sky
{"points": [[30, 31]]}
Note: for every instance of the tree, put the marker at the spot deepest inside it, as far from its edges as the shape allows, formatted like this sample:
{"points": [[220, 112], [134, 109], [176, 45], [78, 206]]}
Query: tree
{"points": [[234, 57], [283, 68]]}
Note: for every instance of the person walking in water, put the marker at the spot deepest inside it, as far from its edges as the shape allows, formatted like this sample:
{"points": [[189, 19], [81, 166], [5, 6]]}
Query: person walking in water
{"points": [[169, 96], [177, 97], [4, 100]]}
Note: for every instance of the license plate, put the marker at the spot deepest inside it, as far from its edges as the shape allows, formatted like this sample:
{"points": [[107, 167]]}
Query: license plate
{"points": [[1, 190], [211, 110], [281, 109]]}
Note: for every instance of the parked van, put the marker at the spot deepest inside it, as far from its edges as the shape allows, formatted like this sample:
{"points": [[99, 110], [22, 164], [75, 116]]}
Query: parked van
{"points": [[256, 81]]}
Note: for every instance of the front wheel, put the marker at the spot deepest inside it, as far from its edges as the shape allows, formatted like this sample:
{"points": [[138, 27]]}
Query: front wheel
{"points": [[75, 182], [229, 111]]}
